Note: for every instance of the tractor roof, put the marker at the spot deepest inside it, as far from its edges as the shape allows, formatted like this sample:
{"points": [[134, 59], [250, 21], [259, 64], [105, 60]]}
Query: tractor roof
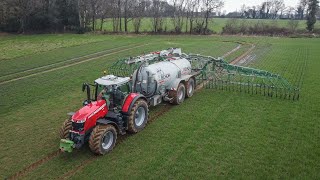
{"points": [[110, 80]]}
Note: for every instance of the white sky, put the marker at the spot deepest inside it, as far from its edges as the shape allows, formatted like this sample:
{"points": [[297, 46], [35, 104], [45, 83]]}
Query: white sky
{"points": [[233, 5]]}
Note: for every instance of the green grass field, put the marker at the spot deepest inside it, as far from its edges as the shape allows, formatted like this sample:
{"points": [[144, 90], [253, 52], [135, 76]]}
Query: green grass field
{"points": [[213, 134], [215, 24]]}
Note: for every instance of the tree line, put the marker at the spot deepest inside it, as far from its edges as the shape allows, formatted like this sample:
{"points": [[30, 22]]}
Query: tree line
{"points": [[90, 15]]}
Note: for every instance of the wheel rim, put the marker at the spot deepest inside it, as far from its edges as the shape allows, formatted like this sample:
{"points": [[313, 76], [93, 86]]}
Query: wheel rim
{"points": [[180, 94], [140, 116], [190, 88], [107, 140]]}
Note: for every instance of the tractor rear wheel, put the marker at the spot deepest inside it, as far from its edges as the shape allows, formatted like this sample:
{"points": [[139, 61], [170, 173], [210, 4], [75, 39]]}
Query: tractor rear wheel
{"points": [[178, 95], [103, 139], [138, 117], [190, 87], [65, 129]]}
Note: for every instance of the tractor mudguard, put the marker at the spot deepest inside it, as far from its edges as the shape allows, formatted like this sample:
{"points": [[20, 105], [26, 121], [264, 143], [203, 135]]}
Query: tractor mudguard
{"points": [[129, 102], [175, 83], [70, 114], [106, 122]]}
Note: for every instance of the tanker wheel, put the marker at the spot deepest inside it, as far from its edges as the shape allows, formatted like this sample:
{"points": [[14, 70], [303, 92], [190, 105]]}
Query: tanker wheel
{"points": [[138, 116], [103, 139], [178, 95], [190, 87], [65, 129]]}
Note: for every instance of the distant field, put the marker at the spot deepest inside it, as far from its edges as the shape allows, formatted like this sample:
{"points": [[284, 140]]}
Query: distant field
{"points": [[216, 24], [213, 134]]}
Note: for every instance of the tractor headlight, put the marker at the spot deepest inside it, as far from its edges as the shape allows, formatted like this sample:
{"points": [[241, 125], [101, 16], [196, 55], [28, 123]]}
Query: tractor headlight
{"points": [[81, 121]]}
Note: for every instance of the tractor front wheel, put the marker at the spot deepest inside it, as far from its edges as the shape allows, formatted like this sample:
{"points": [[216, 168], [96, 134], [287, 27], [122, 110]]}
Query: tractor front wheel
{"points": [[138, 116], [178, 95], [103, 139], [65, 129]]}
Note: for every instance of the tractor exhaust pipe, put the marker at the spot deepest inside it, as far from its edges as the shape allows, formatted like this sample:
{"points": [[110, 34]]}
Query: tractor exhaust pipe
{"points": [[84, 87]]}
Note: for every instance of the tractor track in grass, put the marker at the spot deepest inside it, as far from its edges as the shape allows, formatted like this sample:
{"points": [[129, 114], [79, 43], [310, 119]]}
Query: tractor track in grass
{"points": [[238, 59], [161, 112], [72, 64], [96, 54], [34, 165]]}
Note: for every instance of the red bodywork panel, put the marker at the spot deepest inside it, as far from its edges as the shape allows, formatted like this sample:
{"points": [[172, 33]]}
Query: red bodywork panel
{"points": [[128, 101], [91, 113]]}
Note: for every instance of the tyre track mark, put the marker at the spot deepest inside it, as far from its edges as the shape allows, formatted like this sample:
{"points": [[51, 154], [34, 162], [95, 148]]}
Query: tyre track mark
{"points": [[34, 165], [236, 60], [65, 61], [69, 65]]}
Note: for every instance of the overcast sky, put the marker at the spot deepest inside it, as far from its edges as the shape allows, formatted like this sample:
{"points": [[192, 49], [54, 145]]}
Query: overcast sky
{"points": [[232, 5]]}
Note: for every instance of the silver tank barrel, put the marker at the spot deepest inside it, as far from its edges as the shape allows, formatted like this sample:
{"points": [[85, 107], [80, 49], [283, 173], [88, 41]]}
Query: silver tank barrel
{"points": [[156, 78]]}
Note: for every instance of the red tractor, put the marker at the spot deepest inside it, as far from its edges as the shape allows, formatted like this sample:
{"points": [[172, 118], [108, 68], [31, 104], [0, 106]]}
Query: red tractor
{"points": [[113, 111]]}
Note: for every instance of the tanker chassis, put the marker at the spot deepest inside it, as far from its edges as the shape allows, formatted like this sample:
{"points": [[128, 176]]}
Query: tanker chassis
{"points": [[121, 104]]}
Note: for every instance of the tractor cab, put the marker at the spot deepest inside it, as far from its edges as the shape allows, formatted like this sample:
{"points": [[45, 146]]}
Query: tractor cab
{"points": [[113, 90], [110, 88]]}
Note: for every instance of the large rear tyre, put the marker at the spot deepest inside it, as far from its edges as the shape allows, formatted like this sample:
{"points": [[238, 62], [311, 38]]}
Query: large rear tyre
{"points": [[178, 95], [65, 129], [103, 139], [190, 87], [138, 116]]}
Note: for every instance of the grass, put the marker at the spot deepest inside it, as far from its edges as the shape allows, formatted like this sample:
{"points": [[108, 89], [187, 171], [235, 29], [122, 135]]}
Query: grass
{"points": [[22, 45], [213, 134], [215, 24]]}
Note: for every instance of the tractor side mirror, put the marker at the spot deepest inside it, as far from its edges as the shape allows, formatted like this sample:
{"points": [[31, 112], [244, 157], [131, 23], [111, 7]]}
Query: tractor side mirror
{"points": [[83, 87]]}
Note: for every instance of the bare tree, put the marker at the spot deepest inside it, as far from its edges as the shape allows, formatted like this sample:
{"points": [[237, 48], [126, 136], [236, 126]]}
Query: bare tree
{"points": [[192, 7], [209, 6], [282, 10], [293, 25], [128, 4], [277, 6], [138, 13], [262, 10], [115, 7], [93, 11], [23, 10], [268, 8], [178, 13], [301, 8], [103, 9], [290, 12], [157, 18]]}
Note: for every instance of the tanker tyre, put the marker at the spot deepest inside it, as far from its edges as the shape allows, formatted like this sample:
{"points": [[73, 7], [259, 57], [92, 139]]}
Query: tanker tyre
{"points": [[179, 95], [103, 139], [65, 129], [138, 116], [190, 87]]}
